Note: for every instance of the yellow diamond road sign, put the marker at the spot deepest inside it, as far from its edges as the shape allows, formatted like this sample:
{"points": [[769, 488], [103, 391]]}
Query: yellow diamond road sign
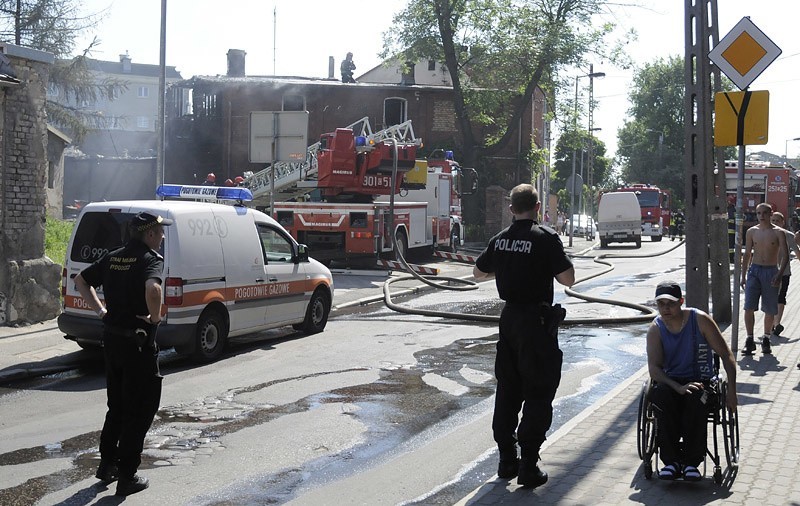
{"points": [[744, 53]]}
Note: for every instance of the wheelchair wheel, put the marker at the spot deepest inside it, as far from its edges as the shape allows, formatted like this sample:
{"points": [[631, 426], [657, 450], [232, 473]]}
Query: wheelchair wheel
{"points": [[730, 429], [645, 433]]}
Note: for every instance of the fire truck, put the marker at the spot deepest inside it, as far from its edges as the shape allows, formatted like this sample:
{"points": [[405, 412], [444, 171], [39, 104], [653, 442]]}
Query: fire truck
{"points": [[656, 205], [352, 170], [775, 184]]}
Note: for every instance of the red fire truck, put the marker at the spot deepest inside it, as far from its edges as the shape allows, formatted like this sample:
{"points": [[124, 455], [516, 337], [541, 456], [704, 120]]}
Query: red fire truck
{"points": [[656, 205], [775, 184], [352, 169]]}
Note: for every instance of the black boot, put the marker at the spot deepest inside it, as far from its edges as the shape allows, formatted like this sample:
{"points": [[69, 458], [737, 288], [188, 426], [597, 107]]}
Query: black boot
{"points": [[128, 486], [107, 471], [530, 474], [509, 464]]}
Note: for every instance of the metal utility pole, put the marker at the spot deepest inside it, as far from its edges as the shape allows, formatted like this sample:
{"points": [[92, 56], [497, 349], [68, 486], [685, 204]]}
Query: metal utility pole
{"points": [[162, 91], [591, 75], [706, 210], [590, 160]]}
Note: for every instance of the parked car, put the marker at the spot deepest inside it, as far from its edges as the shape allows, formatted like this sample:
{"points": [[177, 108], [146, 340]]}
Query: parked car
{"points": [[583, 224]]}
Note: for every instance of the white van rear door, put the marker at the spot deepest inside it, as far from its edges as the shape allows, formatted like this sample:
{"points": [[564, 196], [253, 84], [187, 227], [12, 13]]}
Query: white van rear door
{"points": [[286, 279]]}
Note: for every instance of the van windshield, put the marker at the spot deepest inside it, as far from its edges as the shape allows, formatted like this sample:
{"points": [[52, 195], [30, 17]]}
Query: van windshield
{"points": [[97, 234]]}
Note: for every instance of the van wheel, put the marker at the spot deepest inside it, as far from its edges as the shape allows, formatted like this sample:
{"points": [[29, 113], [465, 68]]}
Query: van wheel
{"points": [[638, 242], [212, 334], [316, 315], [603, 242]]}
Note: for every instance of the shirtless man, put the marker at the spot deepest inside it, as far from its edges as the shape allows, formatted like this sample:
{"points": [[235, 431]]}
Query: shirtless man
{"points": [[765, 245], [792, 245]]}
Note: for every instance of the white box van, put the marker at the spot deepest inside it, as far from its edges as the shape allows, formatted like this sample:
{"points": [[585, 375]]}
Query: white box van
{"points": [[619, 219], [228, 271]]}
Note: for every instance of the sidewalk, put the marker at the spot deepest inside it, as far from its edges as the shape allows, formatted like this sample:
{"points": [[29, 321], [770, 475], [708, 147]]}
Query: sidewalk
{"points": [[593, 460]]}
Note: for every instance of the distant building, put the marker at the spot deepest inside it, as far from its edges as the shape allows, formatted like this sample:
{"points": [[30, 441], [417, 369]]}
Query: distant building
{"points": [[130, 117], [208, 116], [426, 73]]}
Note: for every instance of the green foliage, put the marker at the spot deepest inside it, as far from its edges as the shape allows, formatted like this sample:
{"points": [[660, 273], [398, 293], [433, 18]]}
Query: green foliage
{"points": [[56, 237], [651, 145], [577, 143], [54, 26], [506, 46]]}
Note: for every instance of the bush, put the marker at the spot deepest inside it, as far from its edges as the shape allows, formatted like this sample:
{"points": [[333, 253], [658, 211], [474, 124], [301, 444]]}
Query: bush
{"points": [[56, 237]]}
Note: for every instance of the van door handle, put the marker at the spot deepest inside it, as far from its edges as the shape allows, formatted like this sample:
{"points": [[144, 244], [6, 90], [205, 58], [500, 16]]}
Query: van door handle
{"points": [[272, 280], [259, 280]]}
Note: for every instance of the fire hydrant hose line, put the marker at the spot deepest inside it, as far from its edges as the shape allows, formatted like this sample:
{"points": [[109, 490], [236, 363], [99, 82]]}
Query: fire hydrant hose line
{"points": [[445, 283]]}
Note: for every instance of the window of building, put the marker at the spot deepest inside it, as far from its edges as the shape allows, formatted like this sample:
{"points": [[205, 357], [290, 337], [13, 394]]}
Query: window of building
{"points": [[294, 103], [51, 174], [394, 111], [431, 64], [144, 92], [143, 122]]}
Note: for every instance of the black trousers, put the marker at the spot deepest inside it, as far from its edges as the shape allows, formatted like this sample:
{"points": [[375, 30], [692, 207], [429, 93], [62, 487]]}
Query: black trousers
{"points": [[681, 416], [133, 386], [528, 371]]}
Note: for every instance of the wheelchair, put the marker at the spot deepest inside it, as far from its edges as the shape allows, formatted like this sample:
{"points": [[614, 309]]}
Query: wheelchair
{"points": [[718, 415]]}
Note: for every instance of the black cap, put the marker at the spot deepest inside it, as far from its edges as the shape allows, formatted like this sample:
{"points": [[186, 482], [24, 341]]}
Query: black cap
{"points": [[145, 220], [669, 290]]}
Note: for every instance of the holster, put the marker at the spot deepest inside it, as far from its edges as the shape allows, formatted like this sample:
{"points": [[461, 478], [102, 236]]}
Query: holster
{"points": [[552, 316]]}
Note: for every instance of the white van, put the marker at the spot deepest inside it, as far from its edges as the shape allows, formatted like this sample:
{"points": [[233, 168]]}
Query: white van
{"points": [[228, 271], [619, 219]]}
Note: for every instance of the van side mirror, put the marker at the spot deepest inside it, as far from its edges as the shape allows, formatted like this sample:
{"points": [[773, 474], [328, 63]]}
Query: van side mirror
{"points": [[302, 254]]}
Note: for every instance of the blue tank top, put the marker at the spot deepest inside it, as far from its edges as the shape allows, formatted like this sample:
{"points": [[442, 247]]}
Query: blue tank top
{"points": [[687, 354]]}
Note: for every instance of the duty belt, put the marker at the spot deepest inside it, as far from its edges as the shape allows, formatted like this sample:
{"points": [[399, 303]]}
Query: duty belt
{"points": [[126, 332]]}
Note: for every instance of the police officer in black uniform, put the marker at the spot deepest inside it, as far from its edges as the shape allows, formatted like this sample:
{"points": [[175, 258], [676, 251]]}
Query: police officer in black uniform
{"points": [[131, 280], [524, 258]]}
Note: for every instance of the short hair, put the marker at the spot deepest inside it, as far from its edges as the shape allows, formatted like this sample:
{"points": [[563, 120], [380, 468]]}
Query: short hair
{"points": [[524, 198], [765, 205], [779, 214]]}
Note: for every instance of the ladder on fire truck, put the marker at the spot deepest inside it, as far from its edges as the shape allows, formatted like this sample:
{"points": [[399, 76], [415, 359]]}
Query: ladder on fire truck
{"points": [[293, 179]]}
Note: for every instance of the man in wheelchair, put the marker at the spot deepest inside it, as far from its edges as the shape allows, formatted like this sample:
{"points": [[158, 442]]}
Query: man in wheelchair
{"points": [[681, 367]]}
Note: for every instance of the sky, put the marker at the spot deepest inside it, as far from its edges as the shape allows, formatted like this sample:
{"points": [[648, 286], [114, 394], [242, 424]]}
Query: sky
{"points": [[296, 37]]}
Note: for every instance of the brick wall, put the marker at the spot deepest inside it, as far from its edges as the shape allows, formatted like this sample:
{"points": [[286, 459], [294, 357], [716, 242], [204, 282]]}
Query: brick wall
{"points": [[24, 162], [29, 281]]}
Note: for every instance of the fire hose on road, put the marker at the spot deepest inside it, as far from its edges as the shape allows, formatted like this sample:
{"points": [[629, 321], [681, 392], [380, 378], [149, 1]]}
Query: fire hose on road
{"points": [[446, 283]]}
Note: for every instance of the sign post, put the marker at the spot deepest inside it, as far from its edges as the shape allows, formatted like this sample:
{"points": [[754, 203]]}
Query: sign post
{"points": [[278, 136], [742, 118]]}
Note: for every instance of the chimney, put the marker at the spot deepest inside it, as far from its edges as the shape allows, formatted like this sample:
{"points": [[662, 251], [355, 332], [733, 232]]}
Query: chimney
{"points": [[125, 59], [330, 67], [236, 62]]}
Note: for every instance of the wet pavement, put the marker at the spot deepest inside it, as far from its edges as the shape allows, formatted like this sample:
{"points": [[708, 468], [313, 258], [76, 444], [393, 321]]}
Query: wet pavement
{"points": [[386, 401]]}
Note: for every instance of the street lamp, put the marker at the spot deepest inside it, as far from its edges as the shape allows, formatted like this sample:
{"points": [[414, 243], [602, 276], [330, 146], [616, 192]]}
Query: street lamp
{"points": [[590, 171], [591, 75], [786, 148]]}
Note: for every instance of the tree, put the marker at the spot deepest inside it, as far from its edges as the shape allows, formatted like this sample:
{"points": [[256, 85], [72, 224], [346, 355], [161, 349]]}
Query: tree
{"points": [[496, 52], [54, 26], [650, 146], [577, 142]]}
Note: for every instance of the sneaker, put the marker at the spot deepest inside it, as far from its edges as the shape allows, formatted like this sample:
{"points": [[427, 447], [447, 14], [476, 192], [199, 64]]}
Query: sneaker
{"points": [[530, 474], [508, 468], [128, 486], [766, 349], [749, 346], [107, 471], [777, 329]]}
